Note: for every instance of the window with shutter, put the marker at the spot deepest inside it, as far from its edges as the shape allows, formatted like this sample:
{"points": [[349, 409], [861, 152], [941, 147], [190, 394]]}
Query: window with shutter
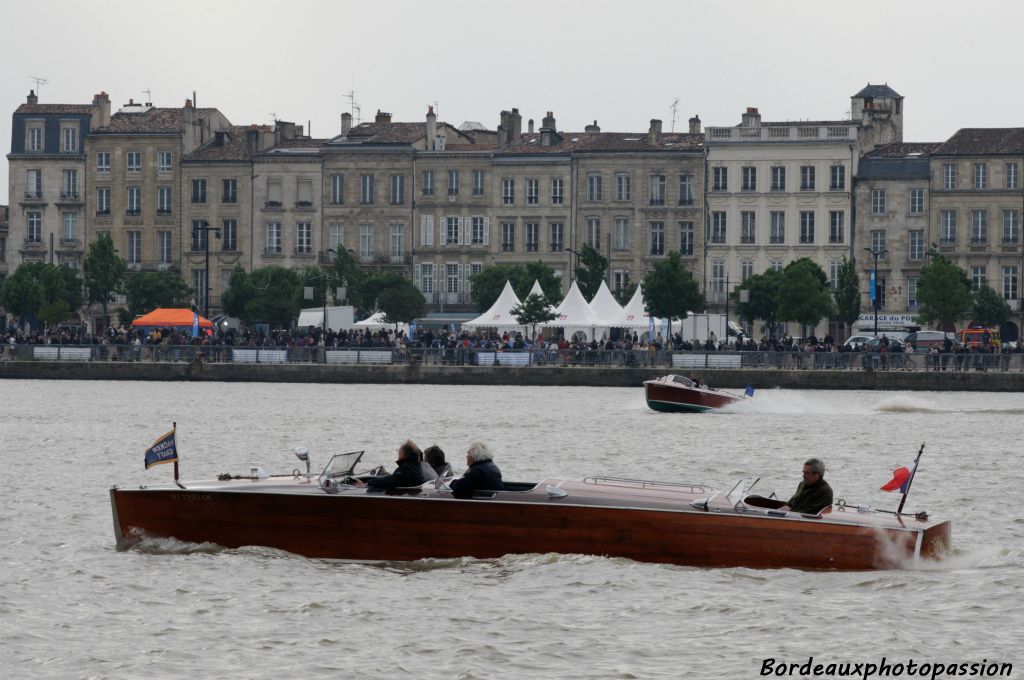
{"points": [[427, 230]]}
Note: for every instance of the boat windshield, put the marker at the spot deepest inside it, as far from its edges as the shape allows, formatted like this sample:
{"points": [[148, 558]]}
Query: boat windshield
{"points": [[341, 465], [741, 489], [682, 380]]}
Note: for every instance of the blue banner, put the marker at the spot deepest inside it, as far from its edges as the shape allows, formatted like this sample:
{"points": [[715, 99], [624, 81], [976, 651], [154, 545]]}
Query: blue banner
{"points": [[163, 450], [871, 292], [195, 324]]}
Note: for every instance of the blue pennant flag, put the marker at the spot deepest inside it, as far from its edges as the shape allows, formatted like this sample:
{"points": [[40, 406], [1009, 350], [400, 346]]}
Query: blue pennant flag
{"points": [[163, 450], [195, 324], [749, 391]]}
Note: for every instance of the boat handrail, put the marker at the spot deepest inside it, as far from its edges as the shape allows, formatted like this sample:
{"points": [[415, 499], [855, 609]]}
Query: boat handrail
{"points": [[691, 487]]}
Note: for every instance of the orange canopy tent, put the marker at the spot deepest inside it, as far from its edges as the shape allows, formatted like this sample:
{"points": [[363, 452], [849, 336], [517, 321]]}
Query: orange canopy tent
{"points": [[170, 318]]}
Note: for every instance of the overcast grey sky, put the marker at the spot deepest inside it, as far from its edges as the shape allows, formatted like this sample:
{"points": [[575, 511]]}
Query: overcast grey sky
{"points": [[621, 63]]}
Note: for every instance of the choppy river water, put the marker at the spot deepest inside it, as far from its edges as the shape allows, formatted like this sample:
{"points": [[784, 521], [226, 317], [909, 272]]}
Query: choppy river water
{"points": [[72, 606]]}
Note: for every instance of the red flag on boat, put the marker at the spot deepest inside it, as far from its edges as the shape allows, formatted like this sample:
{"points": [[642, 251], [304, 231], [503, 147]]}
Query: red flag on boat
{"points": [[901, 478]]}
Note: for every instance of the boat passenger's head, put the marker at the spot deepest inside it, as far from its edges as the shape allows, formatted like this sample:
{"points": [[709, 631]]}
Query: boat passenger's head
{"points": [[434, 456], [409, 451], [814, 470], [478, 451]]}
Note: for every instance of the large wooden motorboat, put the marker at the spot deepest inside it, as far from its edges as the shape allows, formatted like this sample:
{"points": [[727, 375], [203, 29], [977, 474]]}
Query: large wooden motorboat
{"points": [[327, 516], [677, 393]]}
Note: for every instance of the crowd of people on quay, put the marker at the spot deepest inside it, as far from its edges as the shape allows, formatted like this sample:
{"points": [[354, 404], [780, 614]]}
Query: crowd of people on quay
{"points": [[460, 347]]}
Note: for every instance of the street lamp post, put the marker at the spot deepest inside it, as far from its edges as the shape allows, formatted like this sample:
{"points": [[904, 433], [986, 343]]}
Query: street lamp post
{"points": [[873, 289], [572, 273], [329, 277], [205, 228]]}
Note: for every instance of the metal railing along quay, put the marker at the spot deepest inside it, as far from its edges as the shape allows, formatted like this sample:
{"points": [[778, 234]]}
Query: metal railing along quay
{"points": [[679, 361]]}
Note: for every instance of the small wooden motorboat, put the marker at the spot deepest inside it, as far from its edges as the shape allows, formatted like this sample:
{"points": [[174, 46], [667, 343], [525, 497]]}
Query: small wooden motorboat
{"points": [[327, 516], [677, 393]]}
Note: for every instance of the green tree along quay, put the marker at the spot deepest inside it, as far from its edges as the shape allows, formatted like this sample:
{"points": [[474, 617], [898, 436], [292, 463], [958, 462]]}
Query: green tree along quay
{"points": [[104, 272], [43, 290], [240, 291], [532, 311], [487, 284], [590, 272], [670, 291], [277, 295], [344, 271], [401, 301], [148, 290], [763, 301], [625, 294], [804, 293], [847, 293], [943, 292], [22, 293], [990, 309]]}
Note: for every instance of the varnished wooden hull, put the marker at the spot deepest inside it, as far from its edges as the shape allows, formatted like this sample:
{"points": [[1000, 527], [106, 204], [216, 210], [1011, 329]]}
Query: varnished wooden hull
{"points": [[670, 398], [371, 527]]}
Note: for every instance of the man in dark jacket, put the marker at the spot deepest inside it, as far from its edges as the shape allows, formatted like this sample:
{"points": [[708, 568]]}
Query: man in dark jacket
{"points": [[482, 475], [408, 473], [813, 495]]}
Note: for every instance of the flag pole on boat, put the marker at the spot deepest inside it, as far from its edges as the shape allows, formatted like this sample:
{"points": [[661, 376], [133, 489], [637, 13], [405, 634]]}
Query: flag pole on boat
{"points": [[899, 510]]}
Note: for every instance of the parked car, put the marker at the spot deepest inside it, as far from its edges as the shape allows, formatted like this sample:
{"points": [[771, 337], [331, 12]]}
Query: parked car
{"points": [[855, 341], [924, 341], [895, 345]]}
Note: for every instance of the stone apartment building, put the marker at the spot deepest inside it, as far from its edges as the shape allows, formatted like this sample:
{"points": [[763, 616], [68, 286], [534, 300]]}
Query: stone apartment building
{"points": [[780, 191], [976, 203], [892, 207], [4, 267], [133, 172], [47, 180]]}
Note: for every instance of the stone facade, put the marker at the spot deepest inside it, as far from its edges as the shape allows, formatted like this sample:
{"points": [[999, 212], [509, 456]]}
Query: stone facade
{"points": [[892, 205], [47, 181]]}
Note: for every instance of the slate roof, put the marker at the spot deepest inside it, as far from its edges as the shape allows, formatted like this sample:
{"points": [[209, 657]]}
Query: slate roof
{"points": [[807, 123], [612, 142], [395, 133], [983, 141], [879, 91], [36, 109], [902, 150], [154, 121], [235, 147]]}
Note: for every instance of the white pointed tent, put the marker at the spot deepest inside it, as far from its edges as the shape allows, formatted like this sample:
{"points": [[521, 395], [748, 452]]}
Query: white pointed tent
{"points": [[375, 322], [536, 290], [574, 315], [633, 315], [500, 314], [605, 305]]}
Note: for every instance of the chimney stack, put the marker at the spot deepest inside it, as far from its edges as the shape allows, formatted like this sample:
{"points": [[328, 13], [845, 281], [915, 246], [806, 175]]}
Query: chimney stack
{"points": [[100, 111], [431, 129], [516, 124], [188, 103], [32, 98], [346, 124], [654, 133], [531, 126], [695, 125], [592, 128], [751, 118], [382, 117], [549, 121]]}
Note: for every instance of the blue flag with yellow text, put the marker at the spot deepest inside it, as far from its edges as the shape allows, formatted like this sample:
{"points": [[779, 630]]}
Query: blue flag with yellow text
{"points": [[163, 450]]}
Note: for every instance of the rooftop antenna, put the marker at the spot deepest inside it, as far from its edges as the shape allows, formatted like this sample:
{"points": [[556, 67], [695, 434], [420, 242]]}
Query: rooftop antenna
{"points": [[39, 83], [675, 111], [273, 116], [149, 96], [437, 109], [354, 108]]}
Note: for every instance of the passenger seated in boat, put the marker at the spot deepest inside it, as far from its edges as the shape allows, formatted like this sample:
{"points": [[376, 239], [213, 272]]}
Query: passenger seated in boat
{"points": [[695, 380], [408, 473], [482, 475], [434, 457], [813, 495]]}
